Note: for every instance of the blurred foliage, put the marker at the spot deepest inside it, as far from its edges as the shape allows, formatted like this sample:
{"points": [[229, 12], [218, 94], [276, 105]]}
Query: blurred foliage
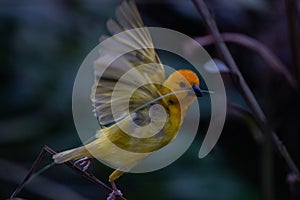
{"points": [[41, 48]]}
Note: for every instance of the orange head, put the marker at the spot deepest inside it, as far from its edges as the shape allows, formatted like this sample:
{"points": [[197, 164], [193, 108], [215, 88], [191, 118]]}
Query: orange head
{"points": [[183, 80]]}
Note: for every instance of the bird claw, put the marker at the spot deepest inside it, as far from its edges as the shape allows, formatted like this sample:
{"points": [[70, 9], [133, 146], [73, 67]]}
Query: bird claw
{"points": [[84, 162], [114, 194]]}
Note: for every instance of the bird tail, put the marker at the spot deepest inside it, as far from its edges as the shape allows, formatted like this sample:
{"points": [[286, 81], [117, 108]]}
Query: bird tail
{"points": [[72, 154]]}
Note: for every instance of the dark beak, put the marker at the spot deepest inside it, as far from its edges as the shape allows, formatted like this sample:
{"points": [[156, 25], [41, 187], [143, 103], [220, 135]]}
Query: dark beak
{"points": [[197, 90]]}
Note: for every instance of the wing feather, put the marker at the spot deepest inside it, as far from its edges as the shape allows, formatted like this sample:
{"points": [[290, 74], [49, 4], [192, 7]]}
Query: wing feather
{"points": [[141, 79]]}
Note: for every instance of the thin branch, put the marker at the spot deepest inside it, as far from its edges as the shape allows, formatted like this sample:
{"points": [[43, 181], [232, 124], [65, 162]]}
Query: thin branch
{"points": [[86, 174], [256, 46], [13, 173], [70, 164], [246, 93], [27, 177], [270, 135]]}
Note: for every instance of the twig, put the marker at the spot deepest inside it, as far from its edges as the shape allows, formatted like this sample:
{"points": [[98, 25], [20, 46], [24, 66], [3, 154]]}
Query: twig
{"points": [[85, 174], [32, 169], [13, 173], [247, 94], [70, 164], [256, 46], [270, 135], [245, 91]]}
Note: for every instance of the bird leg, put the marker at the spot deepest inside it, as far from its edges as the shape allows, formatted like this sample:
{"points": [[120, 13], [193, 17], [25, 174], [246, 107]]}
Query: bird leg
{"points": [[116, 192], [85, 162]]}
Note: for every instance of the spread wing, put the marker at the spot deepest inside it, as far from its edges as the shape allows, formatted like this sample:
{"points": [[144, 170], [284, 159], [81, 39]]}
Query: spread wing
{"points": [[131, 80]]}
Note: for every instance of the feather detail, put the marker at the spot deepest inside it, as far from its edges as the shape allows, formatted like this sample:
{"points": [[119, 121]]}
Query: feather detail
{"points": [[141, 60], [72, 154]]}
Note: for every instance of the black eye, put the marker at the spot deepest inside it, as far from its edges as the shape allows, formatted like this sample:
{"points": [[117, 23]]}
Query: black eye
{"points": [[171, 102], [182, 84]]}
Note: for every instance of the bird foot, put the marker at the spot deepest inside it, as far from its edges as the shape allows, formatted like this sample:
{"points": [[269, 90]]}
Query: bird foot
{"points": [[84, 162], [114, 194]]}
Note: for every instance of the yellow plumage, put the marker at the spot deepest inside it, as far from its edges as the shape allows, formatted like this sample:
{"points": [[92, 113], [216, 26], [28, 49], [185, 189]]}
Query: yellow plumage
{"points": [[112, 145]]}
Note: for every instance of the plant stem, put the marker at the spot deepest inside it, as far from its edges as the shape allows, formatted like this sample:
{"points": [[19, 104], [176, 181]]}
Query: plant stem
{"points": [[85, 174], [77, 169], [27, 177], [270, 135], [256, 46]]}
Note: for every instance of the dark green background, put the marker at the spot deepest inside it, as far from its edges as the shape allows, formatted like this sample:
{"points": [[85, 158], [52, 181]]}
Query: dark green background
{"points": [[42, 45]]}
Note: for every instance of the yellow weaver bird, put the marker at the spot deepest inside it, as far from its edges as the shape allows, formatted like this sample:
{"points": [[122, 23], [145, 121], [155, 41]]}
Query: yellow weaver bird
{"points": [[120, 143]]}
